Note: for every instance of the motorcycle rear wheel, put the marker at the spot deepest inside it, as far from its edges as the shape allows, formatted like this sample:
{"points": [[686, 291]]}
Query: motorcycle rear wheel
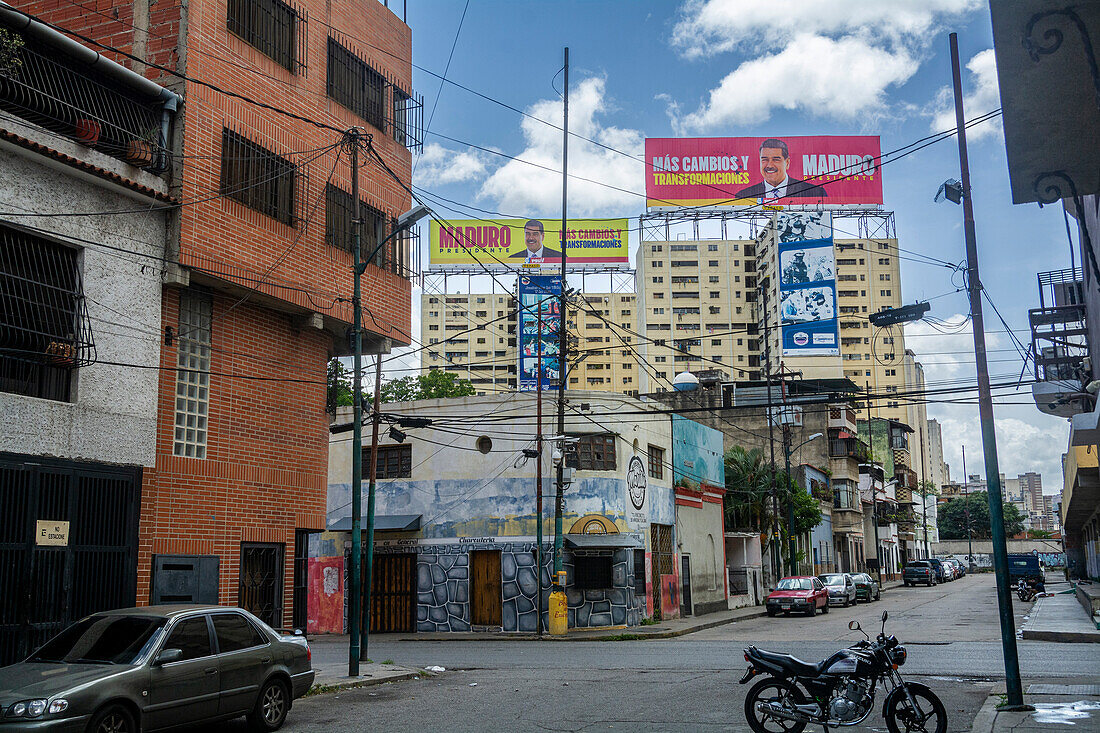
{"points": [[772, 689], [898, 712]]}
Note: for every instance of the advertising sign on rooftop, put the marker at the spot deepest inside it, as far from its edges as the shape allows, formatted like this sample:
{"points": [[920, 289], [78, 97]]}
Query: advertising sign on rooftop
{"points": [[532, 243], [763, 171], [539, 326], [807, 284]]}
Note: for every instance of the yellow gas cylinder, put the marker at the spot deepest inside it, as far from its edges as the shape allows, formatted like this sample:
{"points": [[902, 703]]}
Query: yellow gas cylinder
{"points": [[559, 613]]}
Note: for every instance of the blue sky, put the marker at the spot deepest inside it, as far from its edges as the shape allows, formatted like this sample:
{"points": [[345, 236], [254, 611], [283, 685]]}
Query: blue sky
{"points": [[743, 67]]}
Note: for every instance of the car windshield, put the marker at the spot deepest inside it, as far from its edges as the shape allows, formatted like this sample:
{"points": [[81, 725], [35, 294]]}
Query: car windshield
{"points": [[861, 578], [919, 564], [794, 584], [102, 640], [832, 579]]}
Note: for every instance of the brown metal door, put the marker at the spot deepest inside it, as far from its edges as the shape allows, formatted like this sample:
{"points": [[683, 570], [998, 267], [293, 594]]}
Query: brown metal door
{"points": [[393, 593], [485, 587]]}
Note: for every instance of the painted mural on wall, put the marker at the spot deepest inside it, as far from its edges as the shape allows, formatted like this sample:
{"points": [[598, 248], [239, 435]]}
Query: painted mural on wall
{"points": [[504, 507], [696, 454]]}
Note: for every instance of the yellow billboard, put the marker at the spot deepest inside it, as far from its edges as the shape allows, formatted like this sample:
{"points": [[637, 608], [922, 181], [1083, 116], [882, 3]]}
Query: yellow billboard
{"points": [[508, 243]]}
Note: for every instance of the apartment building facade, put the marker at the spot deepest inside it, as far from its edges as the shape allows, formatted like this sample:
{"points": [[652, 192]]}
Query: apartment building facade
{"points": [[474, 336], [258, 278], [698, 309]]}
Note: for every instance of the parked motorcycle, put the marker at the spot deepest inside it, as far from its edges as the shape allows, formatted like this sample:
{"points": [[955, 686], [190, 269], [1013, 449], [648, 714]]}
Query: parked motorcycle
{"points": [[1028, 588], [840, 690]]}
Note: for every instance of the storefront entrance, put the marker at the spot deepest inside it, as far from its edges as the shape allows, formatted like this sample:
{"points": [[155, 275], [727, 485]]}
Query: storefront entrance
{"points": [[485, 588]]}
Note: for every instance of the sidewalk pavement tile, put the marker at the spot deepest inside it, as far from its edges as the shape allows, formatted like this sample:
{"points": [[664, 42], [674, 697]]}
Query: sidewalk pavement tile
{"points": [[1052, 711], [1059, 618]]}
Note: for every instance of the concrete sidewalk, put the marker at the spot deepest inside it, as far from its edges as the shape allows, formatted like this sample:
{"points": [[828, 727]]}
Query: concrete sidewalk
{"points": [[1057, 706], [1059, 618]]}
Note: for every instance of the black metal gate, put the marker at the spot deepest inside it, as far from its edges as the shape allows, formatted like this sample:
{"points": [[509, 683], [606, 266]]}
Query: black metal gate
{"points": [[301, 578], [44, 588], [261, 589]]}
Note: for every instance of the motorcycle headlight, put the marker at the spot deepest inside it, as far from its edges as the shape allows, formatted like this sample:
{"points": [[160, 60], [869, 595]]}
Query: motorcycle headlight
{"points": [[898, 655]]}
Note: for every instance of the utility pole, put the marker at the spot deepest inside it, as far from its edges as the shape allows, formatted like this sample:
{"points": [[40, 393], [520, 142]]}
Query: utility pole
{"points": [[538, 458], [966, 513], [923, 489], [874, 491], [771, 428], [1013, 685], [792, 485], [352, 139], [368, 570], [563, 339]]}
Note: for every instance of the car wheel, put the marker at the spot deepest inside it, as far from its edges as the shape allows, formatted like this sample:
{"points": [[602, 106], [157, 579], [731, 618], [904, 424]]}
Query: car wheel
{"points": [[771, 612], [906, 583], [271, 707], [812, 610], [847, 602], [825, 608], [113, 719]]}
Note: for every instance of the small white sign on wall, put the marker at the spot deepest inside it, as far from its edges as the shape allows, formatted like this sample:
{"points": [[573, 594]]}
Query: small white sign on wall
{"points": [[51, 533], [637, 494]]}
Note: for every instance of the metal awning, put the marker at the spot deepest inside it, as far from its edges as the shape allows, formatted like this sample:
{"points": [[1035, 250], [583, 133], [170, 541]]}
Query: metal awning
{"points": [[382, 523], [843, 435], [600, 541]]}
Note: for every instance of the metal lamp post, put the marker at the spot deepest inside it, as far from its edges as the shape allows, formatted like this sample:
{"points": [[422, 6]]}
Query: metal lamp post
{"points": [[357, 644]]}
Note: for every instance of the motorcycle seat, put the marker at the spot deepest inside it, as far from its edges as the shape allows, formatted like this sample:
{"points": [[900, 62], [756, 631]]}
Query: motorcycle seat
{"points": [[793, 665]]}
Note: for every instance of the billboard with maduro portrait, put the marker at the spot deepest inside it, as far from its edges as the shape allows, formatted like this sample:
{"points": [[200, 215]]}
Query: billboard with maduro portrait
{"points": [[532, 243], [819, 170]]}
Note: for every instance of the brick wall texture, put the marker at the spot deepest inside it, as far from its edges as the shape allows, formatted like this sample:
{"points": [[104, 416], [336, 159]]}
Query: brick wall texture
{"points": [[264, 474]]}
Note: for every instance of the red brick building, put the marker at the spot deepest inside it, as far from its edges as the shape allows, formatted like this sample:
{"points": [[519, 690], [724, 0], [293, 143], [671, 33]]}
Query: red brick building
{"points": [[257, 290]]}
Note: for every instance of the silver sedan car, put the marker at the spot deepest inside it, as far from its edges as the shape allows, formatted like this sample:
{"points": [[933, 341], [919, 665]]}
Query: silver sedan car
{"points": [[144, 669], [841, 587]]}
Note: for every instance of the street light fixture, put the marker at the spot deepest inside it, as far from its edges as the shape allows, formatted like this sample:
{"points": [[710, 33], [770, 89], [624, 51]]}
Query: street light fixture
{"points": [[790, 502]]}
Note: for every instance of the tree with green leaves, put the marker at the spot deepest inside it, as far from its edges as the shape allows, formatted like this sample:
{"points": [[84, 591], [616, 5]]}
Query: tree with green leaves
{"points": [[748, 502], [436, 384], [952, 517]]}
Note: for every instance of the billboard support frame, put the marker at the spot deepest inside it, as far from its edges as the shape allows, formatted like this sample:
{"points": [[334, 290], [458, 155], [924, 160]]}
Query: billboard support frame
{"points": [[871, 223]]}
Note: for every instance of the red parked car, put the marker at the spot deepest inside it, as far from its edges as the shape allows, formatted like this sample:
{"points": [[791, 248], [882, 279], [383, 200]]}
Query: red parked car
{"points": [[801, 593]]}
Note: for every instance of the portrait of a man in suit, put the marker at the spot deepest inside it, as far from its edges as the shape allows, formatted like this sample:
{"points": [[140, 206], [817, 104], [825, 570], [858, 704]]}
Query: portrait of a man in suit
{"points": [[533, 234], [775, 159]]}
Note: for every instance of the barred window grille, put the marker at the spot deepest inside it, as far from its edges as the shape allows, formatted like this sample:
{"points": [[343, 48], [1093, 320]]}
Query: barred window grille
{"points": [[275, 28], [52, 90], [394, 461], [44, 328], [193, 377], [258, 178], [594, 453], [353, 83], [395, 256]]}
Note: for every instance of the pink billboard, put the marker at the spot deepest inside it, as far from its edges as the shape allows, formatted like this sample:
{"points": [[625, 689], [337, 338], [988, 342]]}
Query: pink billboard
{"points": [[817, 170]]}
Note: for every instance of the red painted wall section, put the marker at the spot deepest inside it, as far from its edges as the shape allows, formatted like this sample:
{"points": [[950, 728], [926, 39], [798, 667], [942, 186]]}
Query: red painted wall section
{"points": [[326, 596]]}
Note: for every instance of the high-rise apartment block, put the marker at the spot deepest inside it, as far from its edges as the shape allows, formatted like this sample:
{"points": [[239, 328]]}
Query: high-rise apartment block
{"points": [[474, 336]]}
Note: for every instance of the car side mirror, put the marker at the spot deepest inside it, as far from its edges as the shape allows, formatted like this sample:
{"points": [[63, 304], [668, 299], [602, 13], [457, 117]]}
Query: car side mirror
{"points": [[297, 632], [168, 655], [853, 626]]}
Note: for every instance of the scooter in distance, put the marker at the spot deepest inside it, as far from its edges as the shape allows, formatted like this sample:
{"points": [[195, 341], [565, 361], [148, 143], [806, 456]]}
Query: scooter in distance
{"points": [[840, 690]]}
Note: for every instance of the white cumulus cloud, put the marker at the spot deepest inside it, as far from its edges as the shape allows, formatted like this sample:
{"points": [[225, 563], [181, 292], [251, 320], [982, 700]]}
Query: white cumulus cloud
{"points": [[820, 57], [439, 165], [522, 189], [843, 79], [980, 95], [1027, 440]]}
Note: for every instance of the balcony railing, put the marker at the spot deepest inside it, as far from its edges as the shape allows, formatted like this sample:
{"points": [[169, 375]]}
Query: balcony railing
{"points": [[46, 88], [1058, 329]]}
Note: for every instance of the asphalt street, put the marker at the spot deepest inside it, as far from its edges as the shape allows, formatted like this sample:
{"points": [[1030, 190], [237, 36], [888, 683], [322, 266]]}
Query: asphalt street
{"points": [[683, 684]]}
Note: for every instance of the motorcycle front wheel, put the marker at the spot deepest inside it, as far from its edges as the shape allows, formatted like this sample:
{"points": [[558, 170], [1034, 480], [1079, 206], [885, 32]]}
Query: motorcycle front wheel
{"points": [[772, 690], [930, 716]]}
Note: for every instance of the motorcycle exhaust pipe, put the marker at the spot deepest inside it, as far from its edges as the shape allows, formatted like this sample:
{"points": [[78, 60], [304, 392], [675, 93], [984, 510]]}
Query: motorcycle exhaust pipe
{"points": [[777, 711]]}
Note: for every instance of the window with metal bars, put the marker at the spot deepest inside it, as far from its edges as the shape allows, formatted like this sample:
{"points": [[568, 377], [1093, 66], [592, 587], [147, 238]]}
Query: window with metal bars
{"points": [[258, 178], [339, 219], [193, 375], [44, 328], [656, 462], [594, 453], [394, 461], [592, 572], [353, 83], [275, 28]]}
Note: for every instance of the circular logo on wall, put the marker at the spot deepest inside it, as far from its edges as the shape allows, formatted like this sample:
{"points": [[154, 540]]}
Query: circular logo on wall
{"points": [[800, 338], [635, 482]]}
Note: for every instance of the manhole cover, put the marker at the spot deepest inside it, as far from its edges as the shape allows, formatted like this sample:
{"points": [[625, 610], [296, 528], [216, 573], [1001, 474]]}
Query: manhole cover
{"points": [[1063, 689]]}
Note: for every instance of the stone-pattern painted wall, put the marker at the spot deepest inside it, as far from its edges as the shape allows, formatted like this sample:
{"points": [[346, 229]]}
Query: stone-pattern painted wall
{"points": [[443, 589], [616, 606]]}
